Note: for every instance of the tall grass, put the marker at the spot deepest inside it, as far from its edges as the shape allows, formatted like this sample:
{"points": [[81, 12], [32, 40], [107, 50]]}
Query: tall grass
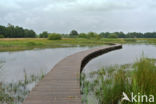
{"points": [[108, 84]]}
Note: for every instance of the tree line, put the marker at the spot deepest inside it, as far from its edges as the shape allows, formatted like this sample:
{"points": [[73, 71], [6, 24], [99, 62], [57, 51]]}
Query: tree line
{"points": [[12, 31], [74, 34], [128, 35]]}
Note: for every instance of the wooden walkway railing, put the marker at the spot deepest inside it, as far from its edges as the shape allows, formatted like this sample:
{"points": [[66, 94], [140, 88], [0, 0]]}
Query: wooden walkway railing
{"points": [[62, 85]]}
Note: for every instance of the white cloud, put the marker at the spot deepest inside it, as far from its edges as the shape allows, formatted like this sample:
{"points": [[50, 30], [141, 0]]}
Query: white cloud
{"points": [[83, 15]]}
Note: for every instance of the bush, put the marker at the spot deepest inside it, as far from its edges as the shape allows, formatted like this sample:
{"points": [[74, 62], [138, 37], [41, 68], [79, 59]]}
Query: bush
{"points": [[112, 36], [92, 35], [54, 36], [44, 34], [83, 35], [1, 36]]}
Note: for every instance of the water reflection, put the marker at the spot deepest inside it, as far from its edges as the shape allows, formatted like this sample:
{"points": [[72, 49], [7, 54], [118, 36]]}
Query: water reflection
{"points": [[33, 62], [128, 54], [13, 64]]}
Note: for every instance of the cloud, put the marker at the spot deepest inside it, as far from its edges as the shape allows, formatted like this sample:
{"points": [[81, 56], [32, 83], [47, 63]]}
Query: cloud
{"points": [[83, 15], [91, 5]]}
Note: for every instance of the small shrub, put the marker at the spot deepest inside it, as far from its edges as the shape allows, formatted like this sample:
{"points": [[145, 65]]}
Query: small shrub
{"points": [[54, 36]]}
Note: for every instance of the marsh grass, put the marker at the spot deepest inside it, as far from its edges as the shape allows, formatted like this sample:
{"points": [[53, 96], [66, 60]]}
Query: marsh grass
{"points": [[15, 44], [107, 84], [25, 44], [15, 93]]}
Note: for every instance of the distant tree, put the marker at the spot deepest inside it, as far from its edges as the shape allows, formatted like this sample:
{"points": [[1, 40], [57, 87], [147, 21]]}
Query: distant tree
{"points": [[65, 35], [3, 30], [134, 35], [32, 34], [150, 35], [120, 34], [1, 36], [26, 33], [73, 33], [44, 34], [12, 31], [19, 32], [112, 35], [29, 33], [83, 35], [104, 34], [92, 35]]}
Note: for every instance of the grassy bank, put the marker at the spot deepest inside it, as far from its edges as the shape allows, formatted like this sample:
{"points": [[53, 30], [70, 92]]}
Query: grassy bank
{"points": [[24, 44], [106, 86], [14, 44]]}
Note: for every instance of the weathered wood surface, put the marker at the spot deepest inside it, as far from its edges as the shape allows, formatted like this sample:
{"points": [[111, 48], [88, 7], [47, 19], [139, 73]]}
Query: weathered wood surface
{"points": [[62, 85]]}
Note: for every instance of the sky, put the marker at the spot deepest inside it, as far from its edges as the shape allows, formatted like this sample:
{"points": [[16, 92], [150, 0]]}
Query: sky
{"points": [[62, 16]]}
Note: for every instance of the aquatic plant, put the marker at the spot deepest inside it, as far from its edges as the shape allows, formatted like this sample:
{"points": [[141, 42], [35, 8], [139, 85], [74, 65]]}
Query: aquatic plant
{"points": [[15, 93], [108, 84]]}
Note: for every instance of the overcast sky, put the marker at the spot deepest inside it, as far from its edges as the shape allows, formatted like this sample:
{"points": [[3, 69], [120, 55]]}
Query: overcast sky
{"points": [[83, 15]]}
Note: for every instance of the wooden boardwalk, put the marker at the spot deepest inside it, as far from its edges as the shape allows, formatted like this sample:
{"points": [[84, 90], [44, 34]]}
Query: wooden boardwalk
{"points": [[62, 85]]}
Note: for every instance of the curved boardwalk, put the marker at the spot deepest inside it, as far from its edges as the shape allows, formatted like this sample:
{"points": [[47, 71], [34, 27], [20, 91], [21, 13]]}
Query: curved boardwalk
{"points": [[62, 85]]}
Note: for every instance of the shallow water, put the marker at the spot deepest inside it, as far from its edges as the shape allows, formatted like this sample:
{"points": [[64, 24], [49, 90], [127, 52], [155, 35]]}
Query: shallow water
{"points": [[127, 55], [38, 61], [13, 64]]}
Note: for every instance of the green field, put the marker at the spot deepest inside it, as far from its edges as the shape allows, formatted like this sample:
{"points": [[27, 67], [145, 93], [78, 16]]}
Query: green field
{"points": [[15, 44]]}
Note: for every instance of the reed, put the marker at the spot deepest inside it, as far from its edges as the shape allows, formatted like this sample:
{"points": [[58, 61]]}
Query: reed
{"points": [[108, 84]]}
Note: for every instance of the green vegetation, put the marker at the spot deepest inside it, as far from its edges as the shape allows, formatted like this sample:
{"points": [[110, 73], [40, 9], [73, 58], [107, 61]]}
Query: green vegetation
{"points": [[82, 35], [12, 31], [54, 36], [1, 36], [44, 34], [90, 35], [73, 33], [15, 44], [113, 36], [108, 84], [15, 93], [53, 40]]}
